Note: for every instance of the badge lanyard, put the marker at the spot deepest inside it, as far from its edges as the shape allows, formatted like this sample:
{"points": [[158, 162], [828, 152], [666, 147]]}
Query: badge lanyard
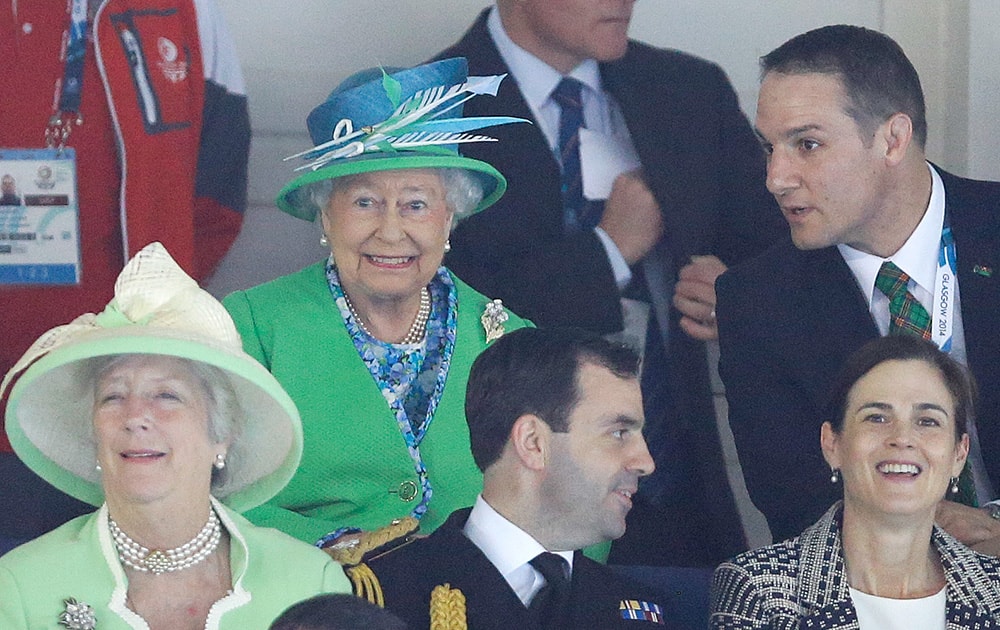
{"points": [[69, 88], [943, 307]]}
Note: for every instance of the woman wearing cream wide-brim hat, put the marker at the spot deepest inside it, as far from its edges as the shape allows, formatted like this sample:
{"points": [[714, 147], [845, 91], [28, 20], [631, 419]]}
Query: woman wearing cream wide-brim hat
{"points": [[374, 344], [152, 411]]}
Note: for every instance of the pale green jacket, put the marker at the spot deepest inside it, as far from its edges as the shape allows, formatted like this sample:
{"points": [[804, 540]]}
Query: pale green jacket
{"points": [[270, 570], [355, 462]]}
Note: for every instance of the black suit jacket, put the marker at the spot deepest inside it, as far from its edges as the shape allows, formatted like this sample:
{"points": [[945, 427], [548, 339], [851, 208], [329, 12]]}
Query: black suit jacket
{"points": [[409, 574], [787, 321], [706, 170]]}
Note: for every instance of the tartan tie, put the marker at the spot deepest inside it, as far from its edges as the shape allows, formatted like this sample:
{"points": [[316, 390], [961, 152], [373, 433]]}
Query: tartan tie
{"points": [[549, 604], [908, 317], [577, 212]]}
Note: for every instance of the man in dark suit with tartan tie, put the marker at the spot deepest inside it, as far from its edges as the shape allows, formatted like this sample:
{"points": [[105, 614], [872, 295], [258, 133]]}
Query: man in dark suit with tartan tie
{"points": [[882, 242], [672, 192]]}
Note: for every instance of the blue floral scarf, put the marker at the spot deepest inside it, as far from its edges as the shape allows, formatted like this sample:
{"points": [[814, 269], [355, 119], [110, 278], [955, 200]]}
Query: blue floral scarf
{"points": [[411, 377]]}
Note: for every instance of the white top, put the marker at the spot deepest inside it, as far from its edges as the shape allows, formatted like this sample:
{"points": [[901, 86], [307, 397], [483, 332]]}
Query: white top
{"points": [[509, 548], [601, 114], [883, 613]]}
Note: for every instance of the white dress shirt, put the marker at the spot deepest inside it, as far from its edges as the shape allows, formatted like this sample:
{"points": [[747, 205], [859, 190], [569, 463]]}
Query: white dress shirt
{"points": [[509, 548]]}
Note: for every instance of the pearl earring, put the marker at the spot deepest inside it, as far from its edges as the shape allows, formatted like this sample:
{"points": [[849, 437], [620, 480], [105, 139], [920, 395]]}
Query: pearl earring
{"points": [[220, 461], [98, 467], [954, 485], [324, 241], [447, 246], [834, 475]]}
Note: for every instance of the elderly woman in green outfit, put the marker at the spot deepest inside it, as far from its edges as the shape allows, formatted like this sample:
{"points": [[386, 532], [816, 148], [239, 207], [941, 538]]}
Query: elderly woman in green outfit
{"points": [[152, 411], [375, 343]]}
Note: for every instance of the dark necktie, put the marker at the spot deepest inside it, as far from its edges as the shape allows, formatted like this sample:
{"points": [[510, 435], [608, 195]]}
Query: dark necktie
{"points": [[549, 605], [908, 317], [577, 212]]}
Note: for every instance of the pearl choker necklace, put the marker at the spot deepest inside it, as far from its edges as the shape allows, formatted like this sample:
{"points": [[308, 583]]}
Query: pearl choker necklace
{"points": [[417, 328], [135, 556]]}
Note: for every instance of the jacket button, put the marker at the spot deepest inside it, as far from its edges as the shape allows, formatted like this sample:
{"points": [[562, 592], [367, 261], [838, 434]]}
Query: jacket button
{"points": [[407, 491]]}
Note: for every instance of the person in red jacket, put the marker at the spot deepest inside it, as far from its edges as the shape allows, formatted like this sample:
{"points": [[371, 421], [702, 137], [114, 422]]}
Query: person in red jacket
{"points": [[161, 154]]}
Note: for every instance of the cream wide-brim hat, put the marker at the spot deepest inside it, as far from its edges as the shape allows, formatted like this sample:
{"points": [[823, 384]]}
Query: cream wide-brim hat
{"points": [[157, 309]]}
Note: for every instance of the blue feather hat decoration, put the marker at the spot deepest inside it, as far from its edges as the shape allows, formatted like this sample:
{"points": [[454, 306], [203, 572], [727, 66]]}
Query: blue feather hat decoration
{"points": [[379, 120]]}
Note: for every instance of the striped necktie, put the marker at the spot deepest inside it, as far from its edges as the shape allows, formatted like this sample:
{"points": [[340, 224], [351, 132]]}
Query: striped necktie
{"points": [[906, 315], [568, 95]]}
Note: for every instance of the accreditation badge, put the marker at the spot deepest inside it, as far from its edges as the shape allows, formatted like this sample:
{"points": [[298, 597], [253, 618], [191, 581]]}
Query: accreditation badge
{"points": [[39, 217]]}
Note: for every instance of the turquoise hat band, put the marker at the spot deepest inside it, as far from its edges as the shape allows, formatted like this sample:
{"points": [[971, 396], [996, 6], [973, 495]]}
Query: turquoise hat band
{"points": [[295, 200]]}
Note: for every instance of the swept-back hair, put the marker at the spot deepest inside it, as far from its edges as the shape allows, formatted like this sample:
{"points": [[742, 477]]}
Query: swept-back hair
{"points": [[878, 79], [533, 371]]}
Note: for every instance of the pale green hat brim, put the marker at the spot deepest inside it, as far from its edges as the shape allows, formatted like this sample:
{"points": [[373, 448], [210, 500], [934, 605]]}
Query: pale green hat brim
{"points": [[294, 200], [49, 415]]}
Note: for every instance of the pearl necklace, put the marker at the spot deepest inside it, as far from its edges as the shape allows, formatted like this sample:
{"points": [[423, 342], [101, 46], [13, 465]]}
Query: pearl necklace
{"points": [[417, 328], [135, 556]]}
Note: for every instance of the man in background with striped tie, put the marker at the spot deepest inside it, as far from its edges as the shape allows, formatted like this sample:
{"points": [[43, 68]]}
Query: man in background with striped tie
{"points": [[638, 182]]}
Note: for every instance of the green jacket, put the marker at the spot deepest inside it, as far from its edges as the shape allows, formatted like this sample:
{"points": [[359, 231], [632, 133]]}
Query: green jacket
{"points": [[355, 468], [271, 571]]}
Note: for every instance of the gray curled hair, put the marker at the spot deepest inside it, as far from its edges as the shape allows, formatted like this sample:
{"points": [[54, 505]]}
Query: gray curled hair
{"points": [[224, 411], [463, 192]]}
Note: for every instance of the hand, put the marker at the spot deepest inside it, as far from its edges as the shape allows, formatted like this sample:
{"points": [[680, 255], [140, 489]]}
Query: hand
{"points": [[971, 526], [632, 217], [694, 296]]}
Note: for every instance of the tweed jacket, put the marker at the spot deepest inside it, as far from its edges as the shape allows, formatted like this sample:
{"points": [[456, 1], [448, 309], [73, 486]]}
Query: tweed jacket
{"points": [[802, 583], [705, 168], [355, 466], [270, 571], [409, 573], [787, 321]]}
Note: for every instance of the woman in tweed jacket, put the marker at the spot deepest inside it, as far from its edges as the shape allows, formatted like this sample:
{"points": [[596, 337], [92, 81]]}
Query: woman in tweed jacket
{"points": [[876, 559]]}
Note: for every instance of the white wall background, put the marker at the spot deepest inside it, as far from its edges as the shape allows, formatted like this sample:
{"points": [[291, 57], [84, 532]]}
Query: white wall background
{"points": [[294, 52]]}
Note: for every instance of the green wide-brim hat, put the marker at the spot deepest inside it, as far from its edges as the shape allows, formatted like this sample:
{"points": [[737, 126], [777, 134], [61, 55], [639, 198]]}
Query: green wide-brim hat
{"points": [[158, 310], [377, 120]]}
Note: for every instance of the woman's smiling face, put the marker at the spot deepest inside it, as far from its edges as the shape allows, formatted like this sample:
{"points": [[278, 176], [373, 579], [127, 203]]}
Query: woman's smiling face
{"points": [[387, 231], [897, 449], [151, 424]]}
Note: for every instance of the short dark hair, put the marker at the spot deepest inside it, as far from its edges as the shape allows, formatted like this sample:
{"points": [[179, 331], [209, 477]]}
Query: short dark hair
{"points": [[333, 611], [533, 371], [956, 377], [878, 79]]}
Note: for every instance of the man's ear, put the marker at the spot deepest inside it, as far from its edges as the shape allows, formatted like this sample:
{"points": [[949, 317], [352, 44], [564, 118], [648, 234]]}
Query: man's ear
{"points": [[897, 132], [529, 440]]}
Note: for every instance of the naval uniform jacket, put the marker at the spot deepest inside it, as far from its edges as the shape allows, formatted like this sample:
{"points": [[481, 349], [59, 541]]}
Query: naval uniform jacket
{"points": [[801, 583], [787, 321], [704, 166], [409, 573]]}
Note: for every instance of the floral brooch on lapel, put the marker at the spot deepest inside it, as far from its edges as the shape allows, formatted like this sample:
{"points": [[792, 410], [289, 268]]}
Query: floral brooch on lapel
{"points": [[493, 320], [77, 616]]}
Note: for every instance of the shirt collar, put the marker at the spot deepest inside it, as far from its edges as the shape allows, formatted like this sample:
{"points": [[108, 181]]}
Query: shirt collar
{"points": [[534, 77], [507, 546], [918, 256]]}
